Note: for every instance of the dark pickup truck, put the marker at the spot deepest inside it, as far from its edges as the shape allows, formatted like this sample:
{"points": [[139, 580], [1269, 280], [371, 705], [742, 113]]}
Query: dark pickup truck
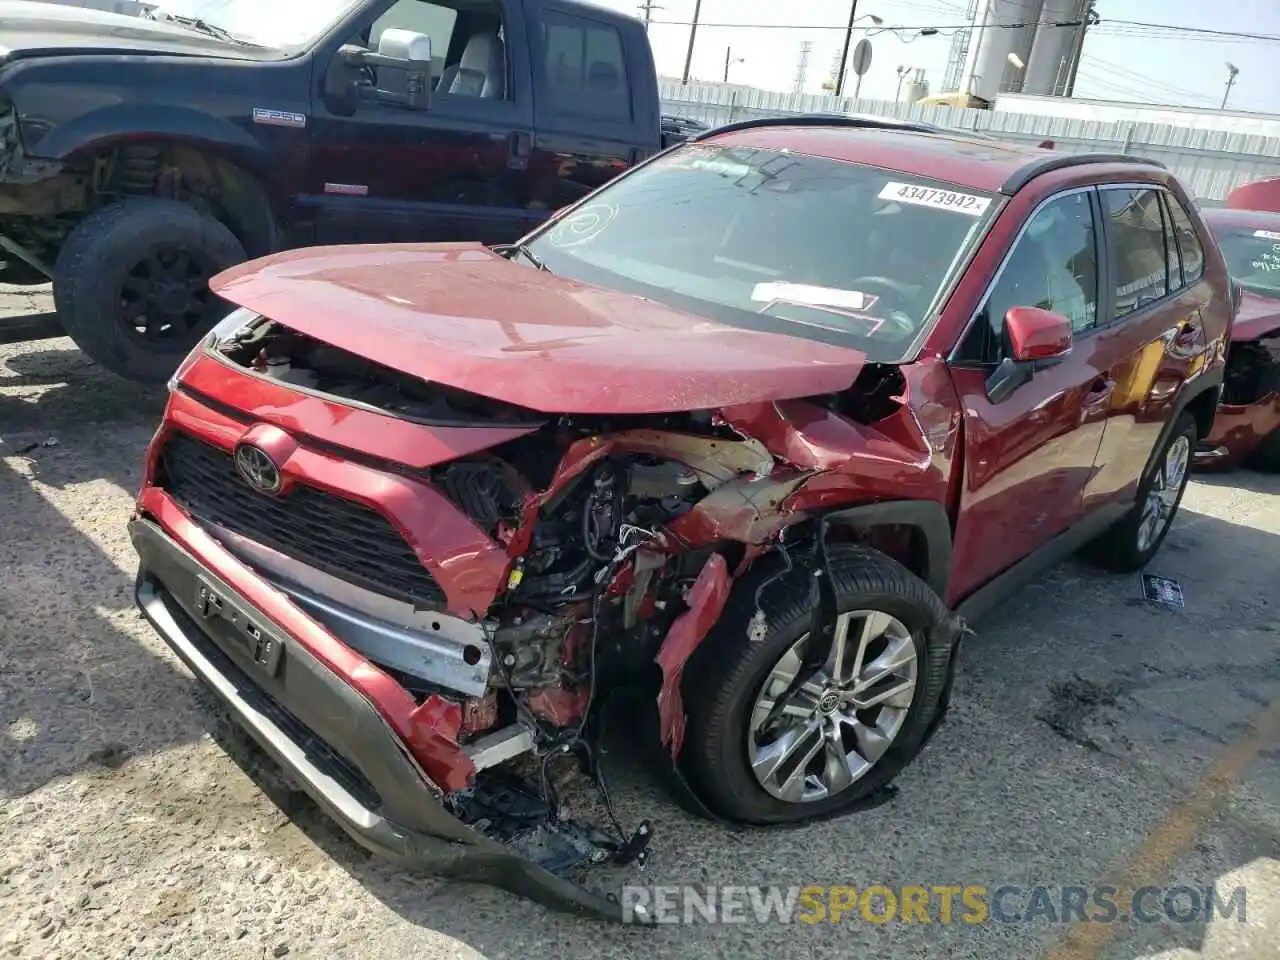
{"points": [[139, 155]]}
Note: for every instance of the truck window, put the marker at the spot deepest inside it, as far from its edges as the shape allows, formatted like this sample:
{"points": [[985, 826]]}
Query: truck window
{"points": [[468, 53], [584, 69]]}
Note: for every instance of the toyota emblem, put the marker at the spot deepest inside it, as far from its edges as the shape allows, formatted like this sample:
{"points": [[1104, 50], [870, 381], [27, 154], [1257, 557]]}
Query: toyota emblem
{"points": [[257, 468]]}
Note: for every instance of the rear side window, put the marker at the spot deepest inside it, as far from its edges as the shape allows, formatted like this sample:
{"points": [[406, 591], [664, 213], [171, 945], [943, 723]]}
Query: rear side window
{"points": [[1140, 254], [1189, 249], [584, 70]]}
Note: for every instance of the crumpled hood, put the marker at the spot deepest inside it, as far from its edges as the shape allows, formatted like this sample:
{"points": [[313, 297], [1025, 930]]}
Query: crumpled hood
{"points": [[33, 28], [460, 315], [1257, 315]]}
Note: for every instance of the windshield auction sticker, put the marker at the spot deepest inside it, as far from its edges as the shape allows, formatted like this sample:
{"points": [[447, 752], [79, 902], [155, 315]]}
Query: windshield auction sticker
{"points": [[965, 203]]}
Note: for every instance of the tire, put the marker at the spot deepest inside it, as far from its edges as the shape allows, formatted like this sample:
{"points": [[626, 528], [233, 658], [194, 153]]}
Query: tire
{"points": [[1266, 456], [131, 284], [730, 669], [1124, 548]]}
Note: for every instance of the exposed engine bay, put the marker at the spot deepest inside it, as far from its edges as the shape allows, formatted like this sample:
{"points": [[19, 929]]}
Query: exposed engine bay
{"points": [[610, 524], [1253, 369]]}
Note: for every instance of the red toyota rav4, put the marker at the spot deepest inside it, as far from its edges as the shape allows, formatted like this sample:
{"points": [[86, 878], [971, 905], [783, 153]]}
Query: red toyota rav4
{"points": [[759, 423]]}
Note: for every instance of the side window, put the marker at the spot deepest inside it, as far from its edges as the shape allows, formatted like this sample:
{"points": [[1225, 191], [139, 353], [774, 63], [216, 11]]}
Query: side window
{"points": [[1053, 265], [1137, 239], [585, 71], [1188, 243], [435, 21]]}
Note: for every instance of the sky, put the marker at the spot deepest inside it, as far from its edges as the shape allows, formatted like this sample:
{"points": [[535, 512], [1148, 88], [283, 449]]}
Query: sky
{"points": [[1120, 62]]}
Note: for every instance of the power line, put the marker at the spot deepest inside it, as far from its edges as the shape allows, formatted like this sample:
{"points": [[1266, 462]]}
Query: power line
{"points": [[1112, 27]]}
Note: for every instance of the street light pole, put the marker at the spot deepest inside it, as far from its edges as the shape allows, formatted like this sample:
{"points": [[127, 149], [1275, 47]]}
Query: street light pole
{"points": [[693, 33], [1232, 70]]}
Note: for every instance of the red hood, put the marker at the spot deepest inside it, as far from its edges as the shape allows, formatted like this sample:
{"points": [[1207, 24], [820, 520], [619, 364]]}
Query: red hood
{"points": [[463, 316], [1257, 315]]}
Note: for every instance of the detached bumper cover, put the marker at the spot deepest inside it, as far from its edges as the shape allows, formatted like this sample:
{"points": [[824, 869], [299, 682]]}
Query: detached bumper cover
{"points": [[324, 732]]}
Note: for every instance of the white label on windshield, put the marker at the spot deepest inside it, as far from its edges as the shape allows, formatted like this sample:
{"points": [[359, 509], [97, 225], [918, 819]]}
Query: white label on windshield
{"points": [[803, 293], [965, 203], [1267, 234]]}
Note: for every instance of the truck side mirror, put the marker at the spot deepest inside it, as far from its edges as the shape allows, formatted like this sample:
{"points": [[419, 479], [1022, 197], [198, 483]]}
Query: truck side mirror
{"points": [[399, 73]]}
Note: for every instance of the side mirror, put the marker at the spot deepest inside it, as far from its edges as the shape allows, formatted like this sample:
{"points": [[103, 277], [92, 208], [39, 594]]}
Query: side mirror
{"points": [[1034, 336], [399, 73]]}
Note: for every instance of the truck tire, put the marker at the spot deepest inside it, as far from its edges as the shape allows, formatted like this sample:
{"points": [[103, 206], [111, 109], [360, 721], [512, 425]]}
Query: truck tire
{"points": [[131, 284], [836, 753], [1131, 542]]}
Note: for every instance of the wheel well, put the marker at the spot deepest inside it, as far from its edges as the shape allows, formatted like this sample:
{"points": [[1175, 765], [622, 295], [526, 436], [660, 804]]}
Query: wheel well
{"points": [[903, 542], [1203, 406], [212, 183]]}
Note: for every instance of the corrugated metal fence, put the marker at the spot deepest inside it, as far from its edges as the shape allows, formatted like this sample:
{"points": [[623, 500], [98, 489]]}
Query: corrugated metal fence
{"points": [[1209, 162]]}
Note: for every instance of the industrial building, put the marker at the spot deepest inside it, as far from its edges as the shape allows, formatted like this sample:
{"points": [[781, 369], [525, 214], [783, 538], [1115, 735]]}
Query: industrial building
{"points": [[1018, 46]]}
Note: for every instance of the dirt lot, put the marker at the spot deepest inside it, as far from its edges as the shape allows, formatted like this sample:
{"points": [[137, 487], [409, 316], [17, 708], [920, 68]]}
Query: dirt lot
{"points": [[1095, 736]]}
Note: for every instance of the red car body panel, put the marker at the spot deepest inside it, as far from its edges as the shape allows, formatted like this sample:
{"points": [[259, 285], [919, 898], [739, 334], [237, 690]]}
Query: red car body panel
{"points": [[464, 316]]}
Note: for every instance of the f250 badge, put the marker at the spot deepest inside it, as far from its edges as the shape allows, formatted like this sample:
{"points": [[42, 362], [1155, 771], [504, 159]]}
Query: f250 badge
{"points": [[279, 118]]}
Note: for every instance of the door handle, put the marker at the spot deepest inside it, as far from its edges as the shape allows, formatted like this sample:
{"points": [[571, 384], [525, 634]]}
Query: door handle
{"points": [[1099, 392], [1187, 334], [520, 144]]}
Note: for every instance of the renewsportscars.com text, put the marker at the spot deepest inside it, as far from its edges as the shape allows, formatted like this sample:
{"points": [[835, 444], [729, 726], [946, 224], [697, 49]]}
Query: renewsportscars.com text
{"points": [[940, 903]]}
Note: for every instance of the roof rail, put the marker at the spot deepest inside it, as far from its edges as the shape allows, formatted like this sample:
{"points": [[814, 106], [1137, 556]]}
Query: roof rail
{"points": [[1025, 174], [853, 121]]}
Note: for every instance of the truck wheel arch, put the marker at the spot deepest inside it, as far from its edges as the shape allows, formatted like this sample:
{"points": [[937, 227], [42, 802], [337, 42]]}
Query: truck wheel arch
{"points": [[207, 146]]}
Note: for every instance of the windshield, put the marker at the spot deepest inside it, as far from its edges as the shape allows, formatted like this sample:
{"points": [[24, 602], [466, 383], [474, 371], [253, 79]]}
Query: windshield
{"points": [[1253, 257], [282, 24], [770, 240]]}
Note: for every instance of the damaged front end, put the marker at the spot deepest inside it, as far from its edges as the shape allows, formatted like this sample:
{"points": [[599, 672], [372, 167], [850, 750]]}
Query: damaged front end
{"points": [[1246, 424], [421, 600]]}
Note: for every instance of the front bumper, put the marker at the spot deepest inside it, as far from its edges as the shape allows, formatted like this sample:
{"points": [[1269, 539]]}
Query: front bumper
{"points": [[323, 731]]}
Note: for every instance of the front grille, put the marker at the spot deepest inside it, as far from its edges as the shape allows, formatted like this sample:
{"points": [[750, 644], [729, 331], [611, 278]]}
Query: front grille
{"points": [[340, 537]]}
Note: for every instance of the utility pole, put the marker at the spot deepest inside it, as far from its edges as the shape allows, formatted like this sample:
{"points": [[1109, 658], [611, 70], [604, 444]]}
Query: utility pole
{"points": [[1088, 18], [1232, 70], [844, 51], [647, 7], [693, 33], [802, 67]]}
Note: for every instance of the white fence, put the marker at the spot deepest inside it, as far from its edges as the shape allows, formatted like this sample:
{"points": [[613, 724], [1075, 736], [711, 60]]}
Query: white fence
{"points": [[1209, 162]]}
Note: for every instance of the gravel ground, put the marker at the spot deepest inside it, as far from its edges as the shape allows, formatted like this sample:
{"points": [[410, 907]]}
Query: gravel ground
{"points": [[1094, 736]]}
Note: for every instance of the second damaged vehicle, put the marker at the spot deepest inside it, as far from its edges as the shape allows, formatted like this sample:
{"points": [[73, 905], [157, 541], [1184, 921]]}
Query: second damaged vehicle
{"points": [[758, 424]]}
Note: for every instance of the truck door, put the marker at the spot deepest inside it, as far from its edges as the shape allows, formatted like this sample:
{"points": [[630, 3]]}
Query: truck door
{"points": [[458, 170], [593, 81]]}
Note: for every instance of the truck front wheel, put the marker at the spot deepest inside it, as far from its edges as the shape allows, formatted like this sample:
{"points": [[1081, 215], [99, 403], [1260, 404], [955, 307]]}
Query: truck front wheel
{"points": [[131, 284]]}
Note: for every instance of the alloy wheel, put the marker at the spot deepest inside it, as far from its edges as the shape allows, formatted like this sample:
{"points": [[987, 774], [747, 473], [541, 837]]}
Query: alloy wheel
{"points": [[833, 730], [166, 296], [1162, 497]]}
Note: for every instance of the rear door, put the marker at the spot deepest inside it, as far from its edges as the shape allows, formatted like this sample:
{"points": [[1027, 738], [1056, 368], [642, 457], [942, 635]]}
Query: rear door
{"points": [[458, 170], [590, 122], [1153, 331], [1028, 456]]}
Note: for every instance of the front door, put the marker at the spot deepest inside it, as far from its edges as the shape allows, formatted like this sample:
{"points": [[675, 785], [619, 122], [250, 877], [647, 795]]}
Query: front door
{"points": [[457, 170], [1028, 457]]}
